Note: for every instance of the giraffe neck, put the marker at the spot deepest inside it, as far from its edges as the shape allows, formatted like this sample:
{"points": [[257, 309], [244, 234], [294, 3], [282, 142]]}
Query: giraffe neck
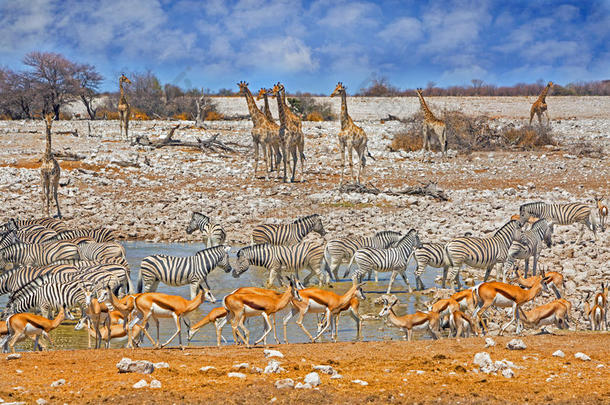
{"points": [[542, 96], [344, 114], [48, 152], [281, 111], [255, 113], [267, 110], [427, 113]]}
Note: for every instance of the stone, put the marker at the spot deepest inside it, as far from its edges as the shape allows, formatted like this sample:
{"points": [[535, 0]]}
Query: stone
{"points": [[360, 382], [336, 377], [516, 344], [489, 342], [302, 386], [207, 368], [582, 356], [140, 384], [236, 375], [126, 365], [241, 365], [58, 383], [284, 383], [155, 384], [508, 373], [13, 356], [161, 365], [273, 367], [559, 353], [42, 401], [272, 353], [313, 379], [482, 359], [325, 369]]}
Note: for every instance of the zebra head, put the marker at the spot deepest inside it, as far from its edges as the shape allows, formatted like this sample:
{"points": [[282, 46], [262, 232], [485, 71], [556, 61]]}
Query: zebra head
{"points": [[315, 223], [243, 261], [197, 221], [224, 262], [410, 241], [388, 302], [546, 228]]}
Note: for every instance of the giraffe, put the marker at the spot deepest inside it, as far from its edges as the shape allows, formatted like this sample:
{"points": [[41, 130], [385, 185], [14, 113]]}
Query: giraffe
{"points": [[273, 146], [262, 93], [540, 106], [431, 123], [49, 172], [262, 130], [291, 136], [290, 116], [124, 109], [351, 137]]}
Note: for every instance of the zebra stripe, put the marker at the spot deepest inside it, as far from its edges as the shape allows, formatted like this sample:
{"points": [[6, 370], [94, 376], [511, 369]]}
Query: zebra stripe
{"points": [[433, 255], [288, 234], [100, 251], [213, 234], [13, 280], [36, 234], [38, 254], [54, 224], [306, 255], [529, 245], [49, 296], [8, 238], [481, 252], [394, 259], [177, 271], [98, 234], [342, 249], [562, 214]]}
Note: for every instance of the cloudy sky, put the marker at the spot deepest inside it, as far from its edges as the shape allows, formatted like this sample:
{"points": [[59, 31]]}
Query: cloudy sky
{"points": [[310, 46]]}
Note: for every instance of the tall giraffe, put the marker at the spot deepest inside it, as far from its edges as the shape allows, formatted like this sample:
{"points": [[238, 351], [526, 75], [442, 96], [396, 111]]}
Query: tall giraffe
{"points": [[291, 136], [273, 144], [431, 123], [49, 172], [262, 130], [290, 116], [351, 137], [262, 93], [124, 109], [540, 106]]}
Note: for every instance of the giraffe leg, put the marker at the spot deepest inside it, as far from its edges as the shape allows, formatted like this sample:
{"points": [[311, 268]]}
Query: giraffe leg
{"points": [[539, 114], [342, 162], [532, 112], [302, 157], [351, 163], [127, 125], [294, 163], [255, 158], [55, 188], [121, 121], [45, 194], [548, 119]]}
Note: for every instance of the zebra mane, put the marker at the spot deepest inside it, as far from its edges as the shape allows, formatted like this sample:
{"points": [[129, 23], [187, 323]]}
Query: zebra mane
{"points": [[540, 223], [200, 214], [210, 249], [507, 225], [388, 233], [408, 236], [303, 219]]}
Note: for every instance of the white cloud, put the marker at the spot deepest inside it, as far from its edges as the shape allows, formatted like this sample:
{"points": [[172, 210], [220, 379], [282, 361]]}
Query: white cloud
{"points": [[285, 54], [403, 30], [350, 14]]}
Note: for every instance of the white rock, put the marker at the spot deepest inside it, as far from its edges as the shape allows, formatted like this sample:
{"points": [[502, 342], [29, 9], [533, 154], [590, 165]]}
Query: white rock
{"points": [[302, 386], [285, 383], [336, 377], [42, 401], [582, 356], [155, 384], [482, 359], [313, 379], [360, 382], [516, 344], [559, 353], [508, 373], [241, 365], [207, 368], [236, 375], [325, 369], [272, 353], [126, 365], [489, 342], [13, 356], [140, 384], [58, 383], [273, 367], [161, 365]]}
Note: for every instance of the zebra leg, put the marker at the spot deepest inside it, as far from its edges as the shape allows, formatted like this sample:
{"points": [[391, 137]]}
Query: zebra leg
{"points": [[406, 280], [193, 287], [392, 278], [488, 272], [445, 270]]}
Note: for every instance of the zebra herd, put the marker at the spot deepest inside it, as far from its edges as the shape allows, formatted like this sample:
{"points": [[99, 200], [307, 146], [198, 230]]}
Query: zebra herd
{"points": [[54, 267]]}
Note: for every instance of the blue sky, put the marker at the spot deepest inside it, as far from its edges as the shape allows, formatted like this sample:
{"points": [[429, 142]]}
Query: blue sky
{"points": [[310, 46]]}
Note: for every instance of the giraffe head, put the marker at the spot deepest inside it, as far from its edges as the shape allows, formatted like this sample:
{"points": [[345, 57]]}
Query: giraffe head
{"points": [[48, 119], [550, 84], [261, 93], [340, 89], [419, 91], [124, 79], [278, 87], [243, 87]]}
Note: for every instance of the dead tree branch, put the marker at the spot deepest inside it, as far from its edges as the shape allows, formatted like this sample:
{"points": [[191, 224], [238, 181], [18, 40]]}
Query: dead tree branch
{"points": [[429, 189]]}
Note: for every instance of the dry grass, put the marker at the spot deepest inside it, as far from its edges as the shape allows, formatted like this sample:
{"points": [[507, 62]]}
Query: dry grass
{"points": [[213, 116], [407, 140], [314, 116]]}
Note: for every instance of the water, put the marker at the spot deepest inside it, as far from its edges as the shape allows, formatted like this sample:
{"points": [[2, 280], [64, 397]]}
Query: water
{"points": [[65, 337]]}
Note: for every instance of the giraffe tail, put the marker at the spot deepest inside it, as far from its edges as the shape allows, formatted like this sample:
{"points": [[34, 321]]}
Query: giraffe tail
{"points": [[369, 153]]}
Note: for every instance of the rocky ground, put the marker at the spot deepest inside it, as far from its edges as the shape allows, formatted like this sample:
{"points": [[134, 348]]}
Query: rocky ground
{"points": [[548, 370], [148, 194]]}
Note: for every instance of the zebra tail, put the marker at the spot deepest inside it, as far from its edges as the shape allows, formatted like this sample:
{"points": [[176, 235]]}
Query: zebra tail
{"points": [[349, 266], [140, 283], [447, 255], [129, 282]]}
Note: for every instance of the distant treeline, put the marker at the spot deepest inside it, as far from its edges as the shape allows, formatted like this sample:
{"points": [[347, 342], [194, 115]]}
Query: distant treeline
{"points": [[49, 81]]}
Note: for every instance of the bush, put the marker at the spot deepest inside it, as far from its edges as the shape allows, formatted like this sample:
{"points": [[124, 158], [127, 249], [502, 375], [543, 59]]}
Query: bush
{"points": [[407, 140], [213, 116], [306, 106], [181, 117], [65, 116], [106, 113], [139, 115], [314, 116]]}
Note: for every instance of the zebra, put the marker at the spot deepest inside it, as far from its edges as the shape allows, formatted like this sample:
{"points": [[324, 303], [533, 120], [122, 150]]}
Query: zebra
{"points": [[288, 234], [8, 238], [36, 234], [177, 271], [97, 234], [213, 234], [342, 249], [394, 259], [38, 254], [100, 251], [54, 224], [305, 255], [529, 245], [562, 214], [433, 255], [14, 279], [481, 252]]}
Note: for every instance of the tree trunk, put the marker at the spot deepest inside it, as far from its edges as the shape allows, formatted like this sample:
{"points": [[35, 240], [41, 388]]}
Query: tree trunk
{"points": [[90, 110], [202, 109], [56, 111]]}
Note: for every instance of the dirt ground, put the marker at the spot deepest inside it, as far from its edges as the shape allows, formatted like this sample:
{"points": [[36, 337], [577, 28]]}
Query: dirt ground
{"points": [[396, 372]]}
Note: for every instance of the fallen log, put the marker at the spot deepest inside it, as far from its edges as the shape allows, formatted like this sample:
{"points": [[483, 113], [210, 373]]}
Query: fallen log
{"points": [[429, 189]]}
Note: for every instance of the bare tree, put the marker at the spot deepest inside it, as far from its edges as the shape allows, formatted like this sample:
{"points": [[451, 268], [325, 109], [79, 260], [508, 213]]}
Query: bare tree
{"points": [[18, 95], [204, 105], [476, 85], [55, 76], [89, 81]]}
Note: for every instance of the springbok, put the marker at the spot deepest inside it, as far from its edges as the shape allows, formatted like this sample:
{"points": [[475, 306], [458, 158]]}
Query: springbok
{"points": [[428, 321], [554, 280], [158, 305], [444, 308], [603, 212], [463, 325], [244, 305], [466, 299], [315, 300], [118, 330], [554, 313], [504, 295], [216, 315], [596, 314], [25, 324]]}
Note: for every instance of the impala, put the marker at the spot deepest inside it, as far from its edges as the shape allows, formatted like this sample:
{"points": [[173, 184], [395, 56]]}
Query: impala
{"points": [[118, 330], [554, 313], [428, 321], [596, 314], [466, 299], [554, 280], [32, 326], [159, 305], [462, 324]]}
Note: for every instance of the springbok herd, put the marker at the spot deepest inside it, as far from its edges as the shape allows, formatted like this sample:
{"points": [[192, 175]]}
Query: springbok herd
{"points": [[53, 270]]}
